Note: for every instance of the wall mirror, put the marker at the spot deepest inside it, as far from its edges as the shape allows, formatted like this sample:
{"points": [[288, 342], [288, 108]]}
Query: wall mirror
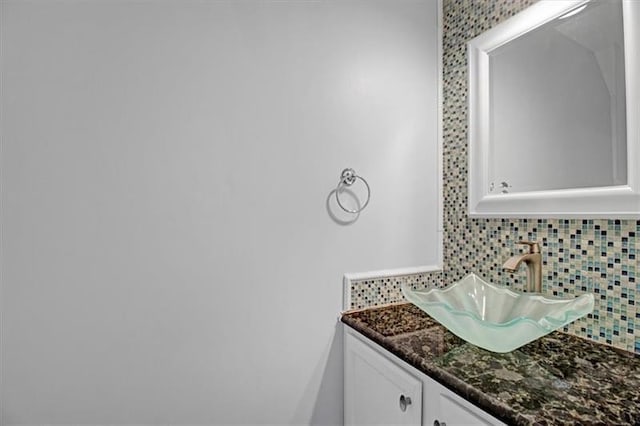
{"points": [[554, 110]]}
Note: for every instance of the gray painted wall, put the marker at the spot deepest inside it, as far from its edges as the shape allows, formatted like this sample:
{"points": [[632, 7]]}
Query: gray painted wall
{"points": [[167, 254]]}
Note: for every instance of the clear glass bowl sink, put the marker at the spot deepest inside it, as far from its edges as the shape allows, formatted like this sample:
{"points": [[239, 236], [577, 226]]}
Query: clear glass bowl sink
{"points": [[495, 318]]}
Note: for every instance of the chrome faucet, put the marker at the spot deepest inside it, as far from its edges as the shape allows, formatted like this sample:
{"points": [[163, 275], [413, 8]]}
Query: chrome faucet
{"points": [[533, 259]]}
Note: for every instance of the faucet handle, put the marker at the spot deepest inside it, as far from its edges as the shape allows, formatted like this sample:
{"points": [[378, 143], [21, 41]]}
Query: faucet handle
{"points": [[534, 246]]}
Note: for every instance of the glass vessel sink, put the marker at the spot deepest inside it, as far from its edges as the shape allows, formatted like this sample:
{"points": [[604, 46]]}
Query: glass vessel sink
{"points": [[495, 318]]}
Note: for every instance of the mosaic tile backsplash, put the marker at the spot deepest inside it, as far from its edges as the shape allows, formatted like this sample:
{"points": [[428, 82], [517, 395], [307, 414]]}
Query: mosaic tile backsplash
{"points": [[382, 291], [579, 255]]}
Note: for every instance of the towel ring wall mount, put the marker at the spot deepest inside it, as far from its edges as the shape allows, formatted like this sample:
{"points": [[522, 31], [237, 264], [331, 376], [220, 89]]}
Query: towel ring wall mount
{"points": [[347, 178]]}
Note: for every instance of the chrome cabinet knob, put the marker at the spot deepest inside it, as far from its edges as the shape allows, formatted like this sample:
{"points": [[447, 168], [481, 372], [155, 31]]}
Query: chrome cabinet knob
{"points": [[405, 401]]}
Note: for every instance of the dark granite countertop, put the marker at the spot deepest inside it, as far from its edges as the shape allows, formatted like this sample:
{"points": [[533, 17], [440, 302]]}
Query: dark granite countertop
{"points": [[558, 379]]}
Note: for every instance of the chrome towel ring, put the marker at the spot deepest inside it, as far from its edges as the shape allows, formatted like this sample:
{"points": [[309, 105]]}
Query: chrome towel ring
{"points": [[347, 178]]}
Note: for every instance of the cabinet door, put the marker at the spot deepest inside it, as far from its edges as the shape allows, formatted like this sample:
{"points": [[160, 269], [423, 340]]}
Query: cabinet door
{"points": [[376, 390], [447, 408]]}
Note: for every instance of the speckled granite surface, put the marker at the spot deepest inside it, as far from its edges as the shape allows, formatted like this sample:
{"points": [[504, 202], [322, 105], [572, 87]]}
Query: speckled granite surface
{"points": [[559, 379]]}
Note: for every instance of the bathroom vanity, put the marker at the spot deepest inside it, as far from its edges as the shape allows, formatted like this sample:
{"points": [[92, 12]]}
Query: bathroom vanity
{"points": [[402, 367], [382, 389]]}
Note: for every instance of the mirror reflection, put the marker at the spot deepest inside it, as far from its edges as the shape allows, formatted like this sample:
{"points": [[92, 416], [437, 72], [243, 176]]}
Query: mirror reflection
{"points": [[557, 101]]}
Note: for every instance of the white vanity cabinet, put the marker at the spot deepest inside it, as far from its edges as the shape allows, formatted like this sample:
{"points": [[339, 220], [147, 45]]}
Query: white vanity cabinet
{"points": [[376, 391], [380, 388]]}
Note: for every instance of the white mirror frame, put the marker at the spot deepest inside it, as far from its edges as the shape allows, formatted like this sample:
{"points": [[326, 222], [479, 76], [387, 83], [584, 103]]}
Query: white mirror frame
{"points": [[621, 201]]}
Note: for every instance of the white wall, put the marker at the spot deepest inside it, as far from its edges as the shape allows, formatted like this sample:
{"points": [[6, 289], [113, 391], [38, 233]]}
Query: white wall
{"points": [[167, 254]]}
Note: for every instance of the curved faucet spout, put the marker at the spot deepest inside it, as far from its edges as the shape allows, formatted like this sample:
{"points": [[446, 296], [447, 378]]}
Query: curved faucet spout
{"points": [[513, 263], [533, 260]]}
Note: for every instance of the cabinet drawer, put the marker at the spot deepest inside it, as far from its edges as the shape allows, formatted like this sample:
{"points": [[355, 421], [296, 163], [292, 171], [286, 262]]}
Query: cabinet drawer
{"points": [[447, 408], [376, 390]]}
